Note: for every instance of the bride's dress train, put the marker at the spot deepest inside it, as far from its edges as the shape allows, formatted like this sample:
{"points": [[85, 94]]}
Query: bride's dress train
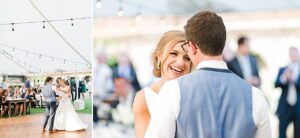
{"points": [[66, 117]]}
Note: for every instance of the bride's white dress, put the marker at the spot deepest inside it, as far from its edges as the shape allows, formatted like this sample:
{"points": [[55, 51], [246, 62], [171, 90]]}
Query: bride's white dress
{"points": [[151, 99], [66, 117]]}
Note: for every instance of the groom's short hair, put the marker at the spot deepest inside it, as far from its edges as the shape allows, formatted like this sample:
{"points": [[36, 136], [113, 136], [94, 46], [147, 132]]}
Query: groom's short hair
{"points": [[48, 79], [207, 30]]}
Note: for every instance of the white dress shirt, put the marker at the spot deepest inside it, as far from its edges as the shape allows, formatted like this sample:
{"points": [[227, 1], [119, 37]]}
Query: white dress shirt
{"points": [[292, 92], [245, 66], [102, 79], [163, 122]]}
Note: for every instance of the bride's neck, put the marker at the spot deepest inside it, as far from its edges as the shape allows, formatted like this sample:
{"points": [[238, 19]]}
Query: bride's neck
{"points": [[157, 85]]}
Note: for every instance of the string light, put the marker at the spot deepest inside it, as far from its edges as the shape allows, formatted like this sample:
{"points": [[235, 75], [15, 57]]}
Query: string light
{"points": [[17, 61], [163, 20], [99, 4], [44, 25], [41, 55], [12, 26], [121, 11], [138, 17], [43, 22], [136, 4], [72, 24]]}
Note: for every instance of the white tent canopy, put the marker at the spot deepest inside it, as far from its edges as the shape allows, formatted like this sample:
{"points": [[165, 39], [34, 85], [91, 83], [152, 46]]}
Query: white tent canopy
{"points": [[33, 38]]}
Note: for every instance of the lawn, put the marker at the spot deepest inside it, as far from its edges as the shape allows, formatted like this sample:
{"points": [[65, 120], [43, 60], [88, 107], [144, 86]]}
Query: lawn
{"points": [[87, 110]]}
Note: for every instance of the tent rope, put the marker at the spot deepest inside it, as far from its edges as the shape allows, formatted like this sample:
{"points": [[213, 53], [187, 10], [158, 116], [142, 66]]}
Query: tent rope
{"points": [[58, 33]]}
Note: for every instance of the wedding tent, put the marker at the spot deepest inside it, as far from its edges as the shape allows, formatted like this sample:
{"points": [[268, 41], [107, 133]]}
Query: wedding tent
{"points": [[45, 36]]}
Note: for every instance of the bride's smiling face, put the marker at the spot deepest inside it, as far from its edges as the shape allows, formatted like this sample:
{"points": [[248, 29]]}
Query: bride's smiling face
{"points": [[176, 64]]}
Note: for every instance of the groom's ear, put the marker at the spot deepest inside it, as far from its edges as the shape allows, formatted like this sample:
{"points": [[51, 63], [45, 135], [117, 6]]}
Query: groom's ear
{"points": [[193, 48]]}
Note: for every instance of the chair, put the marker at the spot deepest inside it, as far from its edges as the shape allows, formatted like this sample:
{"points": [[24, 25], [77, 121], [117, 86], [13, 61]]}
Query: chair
{"points": [[35, 102], [42, 102], [1, 110]]}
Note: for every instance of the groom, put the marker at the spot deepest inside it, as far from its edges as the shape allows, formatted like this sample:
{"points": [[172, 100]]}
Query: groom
{"points": [[210, 102], [50, 99]]}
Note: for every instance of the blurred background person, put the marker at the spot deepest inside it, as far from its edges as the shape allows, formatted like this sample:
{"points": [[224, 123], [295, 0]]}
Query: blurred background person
{"points": [[102, 80], [27, 83], [1, 91], [10, 91], [244, 64], [3, 84], [288, 109], [18, 106], [125, 69], [73, 87], [4, 105], [82, 88]]}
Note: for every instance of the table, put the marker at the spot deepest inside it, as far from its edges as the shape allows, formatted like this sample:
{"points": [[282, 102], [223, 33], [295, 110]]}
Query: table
{"points": [[15, 101]]}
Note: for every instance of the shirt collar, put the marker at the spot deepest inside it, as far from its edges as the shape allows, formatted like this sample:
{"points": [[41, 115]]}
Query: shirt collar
{"points": [[212, 64]]}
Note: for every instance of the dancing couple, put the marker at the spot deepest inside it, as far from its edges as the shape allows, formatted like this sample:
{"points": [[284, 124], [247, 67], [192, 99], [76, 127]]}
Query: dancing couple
{"points": [[63, 116], [197, 96]]}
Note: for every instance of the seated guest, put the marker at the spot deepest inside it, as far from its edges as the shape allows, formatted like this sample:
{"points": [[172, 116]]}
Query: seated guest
{"points": [[1, 91], [23, 89], [33, 97], [10, 92], [18, 106], [27, 96], [3, 101]]}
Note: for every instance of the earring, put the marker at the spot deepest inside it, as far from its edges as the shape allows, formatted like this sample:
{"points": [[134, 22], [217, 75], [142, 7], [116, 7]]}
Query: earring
{"points": [[158, 65]]}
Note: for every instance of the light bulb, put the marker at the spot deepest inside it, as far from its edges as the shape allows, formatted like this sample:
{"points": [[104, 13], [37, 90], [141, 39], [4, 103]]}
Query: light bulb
{"points": [[121, 11], [99, 4]]}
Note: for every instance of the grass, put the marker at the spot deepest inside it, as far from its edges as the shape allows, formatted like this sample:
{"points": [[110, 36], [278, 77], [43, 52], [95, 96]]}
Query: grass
{"points": [[37, 111], [88, 107], [87, 110]]}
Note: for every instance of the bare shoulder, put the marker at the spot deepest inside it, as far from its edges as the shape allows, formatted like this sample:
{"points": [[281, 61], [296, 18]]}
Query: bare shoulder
{"points": [[139, 104], [68, 87]]}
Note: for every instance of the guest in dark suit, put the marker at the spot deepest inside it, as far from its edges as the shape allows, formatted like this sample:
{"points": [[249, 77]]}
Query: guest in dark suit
{"points": [[288, 109], [244, 64], [81, 88], [73, 87]]}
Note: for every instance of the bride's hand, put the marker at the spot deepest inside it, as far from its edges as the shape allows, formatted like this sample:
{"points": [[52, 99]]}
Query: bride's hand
{"points": [[58, 98]]}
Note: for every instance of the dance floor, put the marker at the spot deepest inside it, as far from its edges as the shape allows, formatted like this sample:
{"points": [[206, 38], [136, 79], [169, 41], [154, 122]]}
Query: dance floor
{"points": [[30, 126], [113, 130]]}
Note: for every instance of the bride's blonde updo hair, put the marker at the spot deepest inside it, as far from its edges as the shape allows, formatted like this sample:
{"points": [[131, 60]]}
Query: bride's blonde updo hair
{"points": [[165, 44], [65, 81]]}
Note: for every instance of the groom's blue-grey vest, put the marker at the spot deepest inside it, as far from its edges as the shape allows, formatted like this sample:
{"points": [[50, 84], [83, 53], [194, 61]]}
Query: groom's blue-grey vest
{"points": [[214, 103]]}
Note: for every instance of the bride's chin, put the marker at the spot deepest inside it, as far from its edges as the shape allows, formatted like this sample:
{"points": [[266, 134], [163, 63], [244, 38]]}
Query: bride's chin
{"points": [[172, 77]]}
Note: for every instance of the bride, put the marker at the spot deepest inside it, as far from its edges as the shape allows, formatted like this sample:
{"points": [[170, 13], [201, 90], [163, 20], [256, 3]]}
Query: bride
{"points": [[170, 61], [66, 118]]}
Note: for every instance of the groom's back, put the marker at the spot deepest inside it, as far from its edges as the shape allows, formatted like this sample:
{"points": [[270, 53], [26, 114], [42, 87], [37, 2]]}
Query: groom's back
{"points": [[214, 103], [48, 93]]}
